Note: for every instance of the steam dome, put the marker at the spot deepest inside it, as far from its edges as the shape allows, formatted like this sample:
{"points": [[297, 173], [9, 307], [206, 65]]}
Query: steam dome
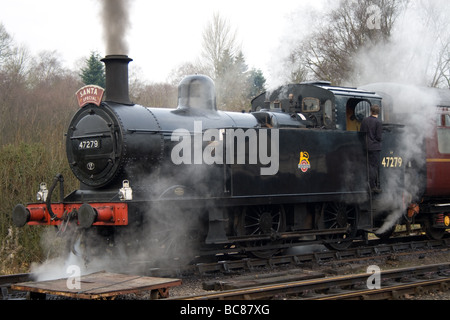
{"points": [[197, 91]]}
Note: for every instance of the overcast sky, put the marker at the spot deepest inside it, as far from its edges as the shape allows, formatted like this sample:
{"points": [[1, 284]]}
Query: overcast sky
{"points": [[163, 34]]}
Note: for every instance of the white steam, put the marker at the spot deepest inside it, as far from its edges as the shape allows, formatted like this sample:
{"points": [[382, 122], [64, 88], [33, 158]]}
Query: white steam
{"points": [[415, 51], [417, 109], [60, 257], [401, 71]]}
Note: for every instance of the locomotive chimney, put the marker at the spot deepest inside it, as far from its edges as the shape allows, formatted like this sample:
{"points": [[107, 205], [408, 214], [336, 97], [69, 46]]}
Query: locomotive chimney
{"points": [[116, 71]]}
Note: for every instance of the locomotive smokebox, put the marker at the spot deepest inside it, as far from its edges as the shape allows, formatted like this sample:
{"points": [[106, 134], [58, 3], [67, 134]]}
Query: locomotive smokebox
{"points": [[116, 70]]}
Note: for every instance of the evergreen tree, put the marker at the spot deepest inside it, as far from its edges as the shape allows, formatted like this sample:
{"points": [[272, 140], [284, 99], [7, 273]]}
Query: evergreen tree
{"points": [[257, 82], [94, 71]]}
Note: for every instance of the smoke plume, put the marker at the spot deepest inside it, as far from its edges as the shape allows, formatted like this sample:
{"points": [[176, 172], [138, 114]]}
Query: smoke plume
{"points": [[116, 24]]}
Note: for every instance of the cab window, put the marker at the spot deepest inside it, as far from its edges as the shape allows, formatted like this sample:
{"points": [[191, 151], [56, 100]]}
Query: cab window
{"points": [[310, 105], [362, 110], [357, 110]]}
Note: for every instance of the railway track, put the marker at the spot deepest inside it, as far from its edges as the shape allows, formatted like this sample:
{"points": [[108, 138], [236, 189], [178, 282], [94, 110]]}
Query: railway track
{"points": [[7, 280], [375, 250], [392, 284], [361, 251]]}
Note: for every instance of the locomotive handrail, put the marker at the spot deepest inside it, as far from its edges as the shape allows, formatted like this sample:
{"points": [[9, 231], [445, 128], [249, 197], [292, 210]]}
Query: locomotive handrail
{"points": [[148, 131], [98, 135]]}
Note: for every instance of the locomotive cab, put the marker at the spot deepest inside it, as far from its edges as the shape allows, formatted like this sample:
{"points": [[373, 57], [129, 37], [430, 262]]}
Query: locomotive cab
{"points": [[352, 106], [307, 102], [319, 104]]}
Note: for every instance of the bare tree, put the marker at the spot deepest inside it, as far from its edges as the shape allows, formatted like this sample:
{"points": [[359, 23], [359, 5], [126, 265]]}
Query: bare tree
{"points": [[328, 53], [187, 69], [157, 95], [227, 64], [218, 38], [5, 45], [441, 76], [417, 50], [434, 20]]}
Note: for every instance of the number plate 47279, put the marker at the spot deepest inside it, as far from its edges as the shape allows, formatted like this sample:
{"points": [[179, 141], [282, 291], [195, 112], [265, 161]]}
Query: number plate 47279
{"points": [[89, 144], [392, 162]]}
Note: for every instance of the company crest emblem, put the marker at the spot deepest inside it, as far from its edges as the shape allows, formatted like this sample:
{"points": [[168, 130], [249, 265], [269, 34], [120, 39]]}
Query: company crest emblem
{"points": [[304, 164]]}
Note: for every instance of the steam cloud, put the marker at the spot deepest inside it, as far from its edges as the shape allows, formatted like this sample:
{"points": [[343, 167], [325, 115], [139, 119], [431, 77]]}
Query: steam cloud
{"points": [[116, 23], [165, 239], [416, 105], [400, 70]]}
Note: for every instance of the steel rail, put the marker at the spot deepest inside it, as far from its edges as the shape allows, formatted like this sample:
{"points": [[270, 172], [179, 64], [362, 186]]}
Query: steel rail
{"points": [[394, 292], [375, 249], [7, 280], [308, 288]]}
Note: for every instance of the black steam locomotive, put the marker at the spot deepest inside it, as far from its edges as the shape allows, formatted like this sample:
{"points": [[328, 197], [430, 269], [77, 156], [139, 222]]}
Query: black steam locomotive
{"points": [[293, 170]]}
